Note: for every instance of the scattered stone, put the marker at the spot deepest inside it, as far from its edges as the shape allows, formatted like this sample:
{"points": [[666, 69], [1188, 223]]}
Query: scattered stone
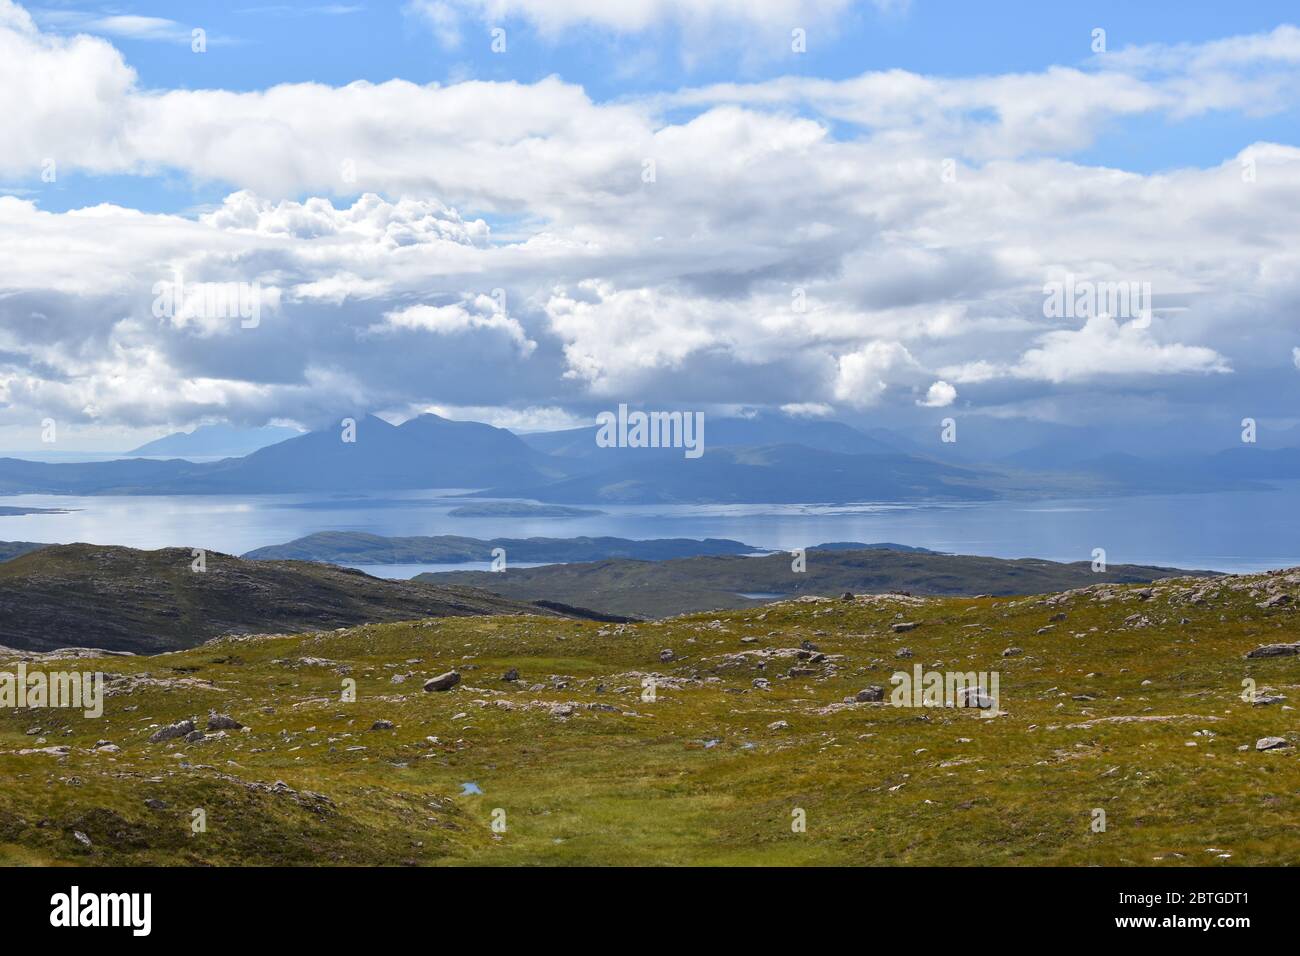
{"points": [[442, 682], [666, 655], [511, 675], [223, 722], [82, 838], [1271, 743], [382, 725], [903, 652], [846, 596], [779, 725], [194, 736], [181, 728], [870, 694], [901, 626], [1012, 652], [153, 803], [1275, 650]]}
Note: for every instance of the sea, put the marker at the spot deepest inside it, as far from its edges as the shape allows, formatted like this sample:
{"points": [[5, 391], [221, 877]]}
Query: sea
{"points": [[1238, 532]]}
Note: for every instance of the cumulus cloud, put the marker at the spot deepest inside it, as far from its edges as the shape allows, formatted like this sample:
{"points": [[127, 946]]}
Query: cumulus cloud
{"points": [[862, 376], [939, 395], [1104, 346], [480, 315], [798, 245]]}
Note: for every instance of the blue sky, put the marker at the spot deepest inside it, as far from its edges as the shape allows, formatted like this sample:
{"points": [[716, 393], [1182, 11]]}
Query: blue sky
{"points": [[654, 202]]}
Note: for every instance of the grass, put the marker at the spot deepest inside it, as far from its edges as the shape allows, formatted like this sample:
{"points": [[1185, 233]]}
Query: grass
{"points": [[643, 785]]}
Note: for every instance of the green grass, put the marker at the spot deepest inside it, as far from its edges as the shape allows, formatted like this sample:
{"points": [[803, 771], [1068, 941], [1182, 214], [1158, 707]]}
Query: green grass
{"points": [[879, 785]]}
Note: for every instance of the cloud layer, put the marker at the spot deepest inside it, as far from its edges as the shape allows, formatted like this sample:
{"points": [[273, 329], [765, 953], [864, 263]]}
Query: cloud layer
{"points": [[871, 246]]}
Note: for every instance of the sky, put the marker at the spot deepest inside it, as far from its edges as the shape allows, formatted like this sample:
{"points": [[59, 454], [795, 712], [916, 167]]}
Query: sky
{"points": [[529, 211]]}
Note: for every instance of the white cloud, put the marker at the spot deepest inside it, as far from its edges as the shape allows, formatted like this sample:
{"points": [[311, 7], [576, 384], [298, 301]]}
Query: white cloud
{"points": [[863, 376], [619, 287], [1104, 347], [808, 410], [632, 16], [476, 315], [939, 395]]}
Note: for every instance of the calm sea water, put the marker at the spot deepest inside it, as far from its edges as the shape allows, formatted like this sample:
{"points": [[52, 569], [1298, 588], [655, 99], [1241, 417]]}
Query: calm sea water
{"points": [[1246, 531]]}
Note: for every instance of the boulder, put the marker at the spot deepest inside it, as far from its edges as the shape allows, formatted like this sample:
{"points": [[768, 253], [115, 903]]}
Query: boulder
{"points": [[870, 694], [223, 722], [1275, 650], [1271, 743], [182, 728], [443, 681]]}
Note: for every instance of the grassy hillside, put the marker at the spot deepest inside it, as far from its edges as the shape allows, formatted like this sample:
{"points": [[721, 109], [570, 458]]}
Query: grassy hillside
{"points": [[148, 601], [1121, 698], [13, 549], [662, 588]]}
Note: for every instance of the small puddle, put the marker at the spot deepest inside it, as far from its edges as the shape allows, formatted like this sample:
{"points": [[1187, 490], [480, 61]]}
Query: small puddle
{"points": [[469, 789]]}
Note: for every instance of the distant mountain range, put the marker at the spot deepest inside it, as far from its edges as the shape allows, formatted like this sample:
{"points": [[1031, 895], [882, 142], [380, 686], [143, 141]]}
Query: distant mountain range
{"points": [[214, 441], [655, 589], [766, 459]]}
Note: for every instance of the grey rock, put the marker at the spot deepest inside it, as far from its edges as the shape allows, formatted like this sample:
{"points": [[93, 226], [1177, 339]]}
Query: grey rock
{"points": [[870, 694], [1271, 743], [223, 722], [443, 681], [1275, 650], [181, 728]]}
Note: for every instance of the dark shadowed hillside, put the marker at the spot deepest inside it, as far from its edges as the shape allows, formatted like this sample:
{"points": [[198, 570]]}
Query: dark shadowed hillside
{"points": [[664, 588], [148, 601]]}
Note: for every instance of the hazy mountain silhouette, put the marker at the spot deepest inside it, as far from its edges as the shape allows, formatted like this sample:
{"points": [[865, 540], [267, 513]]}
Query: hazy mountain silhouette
{"points": [[214, 441]]}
